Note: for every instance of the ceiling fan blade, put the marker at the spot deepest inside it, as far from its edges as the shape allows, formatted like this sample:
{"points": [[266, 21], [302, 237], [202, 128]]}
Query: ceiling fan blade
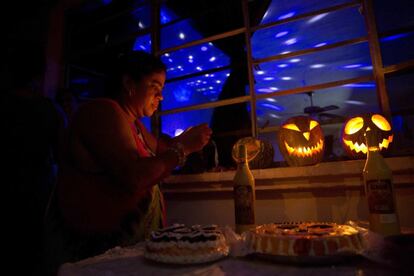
{"points": [[330, 107], [330, 115]]}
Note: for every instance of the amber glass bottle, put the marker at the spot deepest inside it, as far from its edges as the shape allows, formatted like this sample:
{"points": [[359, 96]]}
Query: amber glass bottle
{"points": [[379, 190], [244, 194]]}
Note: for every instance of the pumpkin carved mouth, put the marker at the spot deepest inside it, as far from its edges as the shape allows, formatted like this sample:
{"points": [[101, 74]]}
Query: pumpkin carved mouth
{"points": [[305, 151], [363, 148]]}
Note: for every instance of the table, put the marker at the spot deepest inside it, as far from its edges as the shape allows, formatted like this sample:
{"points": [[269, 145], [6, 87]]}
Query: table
{"points": [[130, 261]]}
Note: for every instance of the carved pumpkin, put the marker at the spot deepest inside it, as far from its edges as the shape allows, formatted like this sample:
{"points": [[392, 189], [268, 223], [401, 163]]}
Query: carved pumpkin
{"points": [[353, 139], [301, 141]]}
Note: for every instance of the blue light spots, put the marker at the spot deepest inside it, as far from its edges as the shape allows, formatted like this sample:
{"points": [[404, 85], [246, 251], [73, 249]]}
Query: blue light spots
{"points": [[204, 48], [291, 41], [369, 67], [273, 106], [294, 60], [355, 102], [212, 59], [393, 37], [320, 44], [268, 78], [167, 15], [316, 66], [260, 72], [272, 115], [286, 15], [352, 66], [178, 131], [267, 89], [282, 65], [286, 78], [360, 85], [317, 18], [182, 94], [142, 43], [181, 35], [280, 34]]}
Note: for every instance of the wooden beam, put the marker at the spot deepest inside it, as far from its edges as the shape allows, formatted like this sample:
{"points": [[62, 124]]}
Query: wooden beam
{"points": [[375, 52]]}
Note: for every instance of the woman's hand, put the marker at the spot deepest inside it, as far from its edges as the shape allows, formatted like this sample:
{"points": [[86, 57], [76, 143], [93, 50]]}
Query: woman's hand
{"points": [[195, 138]]}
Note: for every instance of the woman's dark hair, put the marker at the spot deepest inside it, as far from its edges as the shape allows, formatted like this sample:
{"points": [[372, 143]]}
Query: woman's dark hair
{"points": [[137, 65]]}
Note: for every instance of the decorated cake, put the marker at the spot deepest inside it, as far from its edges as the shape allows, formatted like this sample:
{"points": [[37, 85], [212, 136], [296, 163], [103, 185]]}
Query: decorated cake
{"points": [[182, 244], [304, 239]]}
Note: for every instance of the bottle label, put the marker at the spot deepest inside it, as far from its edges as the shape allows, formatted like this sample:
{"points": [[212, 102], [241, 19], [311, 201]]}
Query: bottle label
{"points": [[244, 204], [380, 196]]}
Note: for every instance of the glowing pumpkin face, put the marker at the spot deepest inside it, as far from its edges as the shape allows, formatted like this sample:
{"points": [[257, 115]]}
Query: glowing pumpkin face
{"points": [[353, 139], [301, 141]]}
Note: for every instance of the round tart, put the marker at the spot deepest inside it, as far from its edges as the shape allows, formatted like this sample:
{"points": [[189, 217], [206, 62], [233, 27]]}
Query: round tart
{"points": [[182, 244], [304, 239]]}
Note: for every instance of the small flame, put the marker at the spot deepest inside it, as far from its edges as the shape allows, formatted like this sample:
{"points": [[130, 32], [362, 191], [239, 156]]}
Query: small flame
{"points": [[305, 151], [358, 148]]}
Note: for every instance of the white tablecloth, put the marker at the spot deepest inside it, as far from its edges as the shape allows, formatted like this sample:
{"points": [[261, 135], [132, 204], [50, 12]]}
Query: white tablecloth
{"points": [[130, 261]]}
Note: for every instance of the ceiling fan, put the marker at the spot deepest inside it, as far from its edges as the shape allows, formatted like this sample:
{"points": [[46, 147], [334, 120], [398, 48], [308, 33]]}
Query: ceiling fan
{"points": [[317, 111]]}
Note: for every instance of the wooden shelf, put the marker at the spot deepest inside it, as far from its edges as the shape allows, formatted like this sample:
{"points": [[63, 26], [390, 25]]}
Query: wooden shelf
{"points": [[327, 175]]}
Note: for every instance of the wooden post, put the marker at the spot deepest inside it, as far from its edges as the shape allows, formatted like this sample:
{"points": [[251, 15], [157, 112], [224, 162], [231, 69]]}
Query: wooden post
{"points": [[375, 52]]}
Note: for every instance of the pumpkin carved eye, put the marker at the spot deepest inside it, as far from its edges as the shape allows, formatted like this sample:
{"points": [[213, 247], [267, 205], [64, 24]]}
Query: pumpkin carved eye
{"points": [[292, 127], [313, 124], [354, 125], [381, 122]]}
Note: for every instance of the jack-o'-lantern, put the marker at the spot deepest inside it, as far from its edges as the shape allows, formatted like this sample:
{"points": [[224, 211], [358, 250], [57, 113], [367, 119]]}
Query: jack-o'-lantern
{"points": [[301, 141], [353, 139]]}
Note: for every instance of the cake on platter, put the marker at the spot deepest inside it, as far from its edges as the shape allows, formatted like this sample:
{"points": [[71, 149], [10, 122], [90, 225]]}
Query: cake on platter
{"points": [[306, 241], [181, 244]]}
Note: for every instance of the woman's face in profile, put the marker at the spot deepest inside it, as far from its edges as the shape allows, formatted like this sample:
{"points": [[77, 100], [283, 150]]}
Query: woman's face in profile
{"points": [[149, 93]]}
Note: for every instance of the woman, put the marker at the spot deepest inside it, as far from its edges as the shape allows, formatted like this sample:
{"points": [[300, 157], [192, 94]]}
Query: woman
{"points": [[107, 192]]}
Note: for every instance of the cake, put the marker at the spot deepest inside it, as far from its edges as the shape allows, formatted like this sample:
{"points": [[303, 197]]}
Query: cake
{"points": [[182, 244], [304, 239]]}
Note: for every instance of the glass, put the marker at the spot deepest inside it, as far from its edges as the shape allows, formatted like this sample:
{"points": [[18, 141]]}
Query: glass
{"points": [[142, 43], [312, 32], [146, 121], [393, 14], [400, 90], [110, 26], [199, 21], [397, 48], [123, 26], [198, 58], [336, 103], [195, 90], [283, 9], [175, 124], [326, 66]]}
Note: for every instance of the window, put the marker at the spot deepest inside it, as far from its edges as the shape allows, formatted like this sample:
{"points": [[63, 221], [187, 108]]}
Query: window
{"points": [[246, 66]]}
